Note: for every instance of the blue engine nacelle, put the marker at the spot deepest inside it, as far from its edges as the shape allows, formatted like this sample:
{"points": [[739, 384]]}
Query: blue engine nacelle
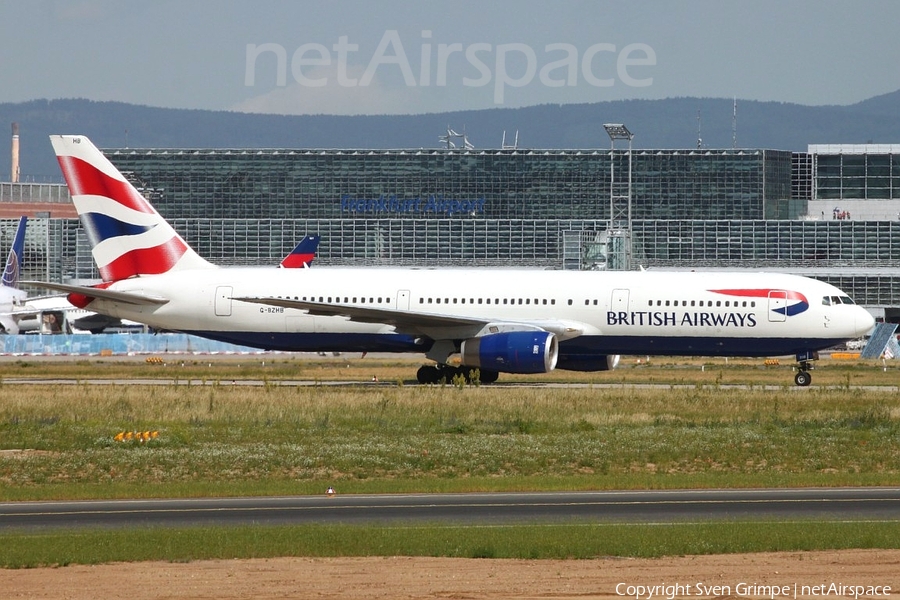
{"points": [[575, 362], [512, 352]]}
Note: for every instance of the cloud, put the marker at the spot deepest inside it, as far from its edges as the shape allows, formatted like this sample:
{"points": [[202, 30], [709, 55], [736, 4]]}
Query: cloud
{"points": [[376, 98], [296, 99], [85, 10]]}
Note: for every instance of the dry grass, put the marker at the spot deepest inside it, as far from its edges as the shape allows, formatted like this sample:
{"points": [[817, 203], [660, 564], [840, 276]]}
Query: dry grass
{"points": [[384, 437]]}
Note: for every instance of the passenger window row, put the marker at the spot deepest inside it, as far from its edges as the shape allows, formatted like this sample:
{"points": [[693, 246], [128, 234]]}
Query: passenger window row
{"points": [[492, 301], [705, 303], [346, 299], [546, 302]]}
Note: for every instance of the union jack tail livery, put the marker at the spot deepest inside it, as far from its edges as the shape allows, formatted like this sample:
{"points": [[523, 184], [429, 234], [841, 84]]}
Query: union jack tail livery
{"points": [[128, 237]]}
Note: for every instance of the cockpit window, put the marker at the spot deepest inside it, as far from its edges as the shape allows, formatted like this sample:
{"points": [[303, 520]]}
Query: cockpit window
{"points": [[836, 300]]}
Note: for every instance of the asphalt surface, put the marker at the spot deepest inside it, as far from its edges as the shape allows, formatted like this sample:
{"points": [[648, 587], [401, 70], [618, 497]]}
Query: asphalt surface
{"points": [[815, 504]]}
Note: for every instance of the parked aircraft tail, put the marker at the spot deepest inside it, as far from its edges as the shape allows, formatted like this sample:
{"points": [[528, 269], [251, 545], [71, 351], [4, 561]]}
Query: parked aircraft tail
{"points": [[10, 294], [14, 259], [303, 255], [128, 237]]}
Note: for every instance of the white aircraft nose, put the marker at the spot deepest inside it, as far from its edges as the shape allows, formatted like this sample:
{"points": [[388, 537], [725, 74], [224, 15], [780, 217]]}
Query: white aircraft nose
{"points": [[864, 321]]}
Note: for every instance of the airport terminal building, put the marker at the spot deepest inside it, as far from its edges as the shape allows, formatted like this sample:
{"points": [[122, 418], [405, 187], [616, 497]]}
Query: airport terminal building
{"points": [[832, 212]]}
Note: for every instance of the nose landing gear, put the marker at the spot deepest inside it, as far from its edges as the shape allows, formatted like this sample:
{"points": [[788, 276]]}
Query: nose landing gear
{"points": [[803, 378], [804, 366]]}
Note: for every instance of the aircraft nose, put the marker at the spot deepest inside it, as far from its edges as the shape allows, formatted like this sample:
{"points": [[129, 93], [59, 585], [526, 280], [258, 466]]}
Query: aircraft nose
{"points": [[864, 321]]}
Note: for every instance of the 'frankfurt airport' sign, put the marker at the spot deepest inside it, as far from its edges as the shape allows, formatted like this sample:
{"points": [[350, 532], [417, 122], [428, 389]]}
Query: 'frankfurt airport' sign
{"points": [[391, 204]]}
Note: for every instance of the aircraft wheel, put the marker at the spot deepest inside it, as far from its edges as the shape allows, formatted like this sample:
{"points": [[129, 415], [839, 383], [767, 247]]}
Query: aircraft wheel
{"points": [[448, 372], [489, 376], [802, 378], [428, 374]]}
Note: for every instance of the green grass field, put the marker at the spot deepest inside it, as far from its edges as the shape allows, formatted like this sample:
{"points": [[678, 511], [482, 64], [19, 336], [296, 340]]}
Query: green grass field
{"points": [[216, 438], [539, 541]]}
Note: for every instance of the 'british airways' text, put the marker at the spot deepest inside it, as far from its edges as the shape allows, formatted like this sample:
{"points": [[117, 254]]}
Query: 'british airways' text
{"points": [[656, 318]]}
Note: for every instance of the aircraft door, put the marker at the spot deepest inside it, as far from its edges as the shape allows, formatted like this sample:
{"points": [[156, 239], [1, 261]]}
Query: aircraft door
{"points": [[300, 324], [223, 300], [777, 306], [619, 300], [403, 300]]}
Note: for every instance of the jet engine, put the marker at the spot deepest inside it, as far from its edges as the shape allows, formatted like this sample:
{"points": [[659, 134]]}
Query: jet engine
{"points": [[512, 352]]}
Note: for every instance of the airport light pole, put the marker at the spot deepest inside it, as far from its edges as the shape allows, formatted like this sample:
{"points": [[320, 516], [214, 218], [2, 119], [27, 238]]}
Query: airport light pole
{"points": [[618, 234]]}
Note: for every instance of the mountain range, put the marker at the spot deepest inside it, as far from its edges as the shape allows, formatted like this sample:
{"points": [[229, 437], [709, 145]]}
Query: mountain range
{"points": [[668, 123]]}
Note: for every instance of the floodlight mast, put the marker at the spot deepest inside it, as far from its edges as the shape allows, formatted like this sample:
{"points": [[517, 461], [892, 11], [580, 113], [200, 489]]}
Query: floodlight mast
{"points": [[619, 231]]}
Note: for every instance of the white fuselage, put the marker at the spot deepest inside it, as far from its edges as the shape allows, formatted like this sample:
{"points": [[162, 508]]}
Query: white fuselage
{"points": [[675, 313]]}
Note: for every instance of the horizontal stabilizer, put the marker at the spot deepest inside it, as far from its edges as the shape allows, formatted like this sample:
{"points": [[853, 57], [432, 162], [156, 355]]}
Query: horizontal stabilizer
{"points": [[93, 292], [9, 324]]}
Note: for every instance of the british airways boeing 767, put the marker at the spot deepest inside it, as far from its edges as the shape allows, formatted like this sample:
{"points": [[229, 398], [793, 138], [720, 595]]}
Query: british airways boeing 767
{"points": [[497, 321]]}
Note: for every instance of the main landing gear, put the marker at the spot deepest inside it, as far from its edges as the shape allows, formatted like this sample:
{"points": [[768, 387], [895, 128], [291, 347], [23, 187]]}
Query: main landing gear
{"points": [[446, 373], [804, 366]]}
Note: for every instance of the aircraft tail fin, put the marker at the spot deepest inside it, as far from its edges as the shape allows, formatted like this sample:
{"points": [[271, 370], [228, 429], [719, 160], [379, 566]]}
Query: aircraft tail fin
{"points": [[128, 237], [303, 255], [14, 259]]}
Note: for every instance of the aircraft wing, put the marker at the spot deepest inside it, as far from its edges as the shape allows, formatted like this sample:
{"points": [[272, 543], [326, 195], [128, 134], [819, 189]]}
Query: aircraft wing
{"points": [[366, 314], [431, 324], [93, 292]]}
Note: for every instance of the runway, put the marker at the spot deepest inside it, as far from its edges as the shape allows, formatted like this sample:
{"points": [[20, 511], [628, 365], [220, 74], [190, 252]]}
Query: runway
{"points": [[815, 504]]}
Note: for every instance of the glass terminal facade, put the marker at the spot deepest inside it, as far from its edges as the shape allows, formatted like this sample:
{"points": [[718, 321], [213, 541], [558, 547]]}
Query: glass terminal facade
{"points": [[488, 184], [447, 207], [740, 209], [854, 181], [856, 171]]}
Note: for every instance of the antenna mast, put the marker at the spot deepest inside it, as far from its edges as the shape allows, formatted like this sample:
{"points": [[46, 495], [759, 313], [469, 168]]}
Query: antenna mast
{"points": [[734, 125], [699, 139]]}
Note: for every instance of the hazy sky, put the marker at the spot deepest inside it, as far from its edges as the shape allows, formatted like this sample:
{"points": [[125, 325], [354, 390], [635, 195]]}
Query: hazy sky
{"points": [[397, 56]]}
